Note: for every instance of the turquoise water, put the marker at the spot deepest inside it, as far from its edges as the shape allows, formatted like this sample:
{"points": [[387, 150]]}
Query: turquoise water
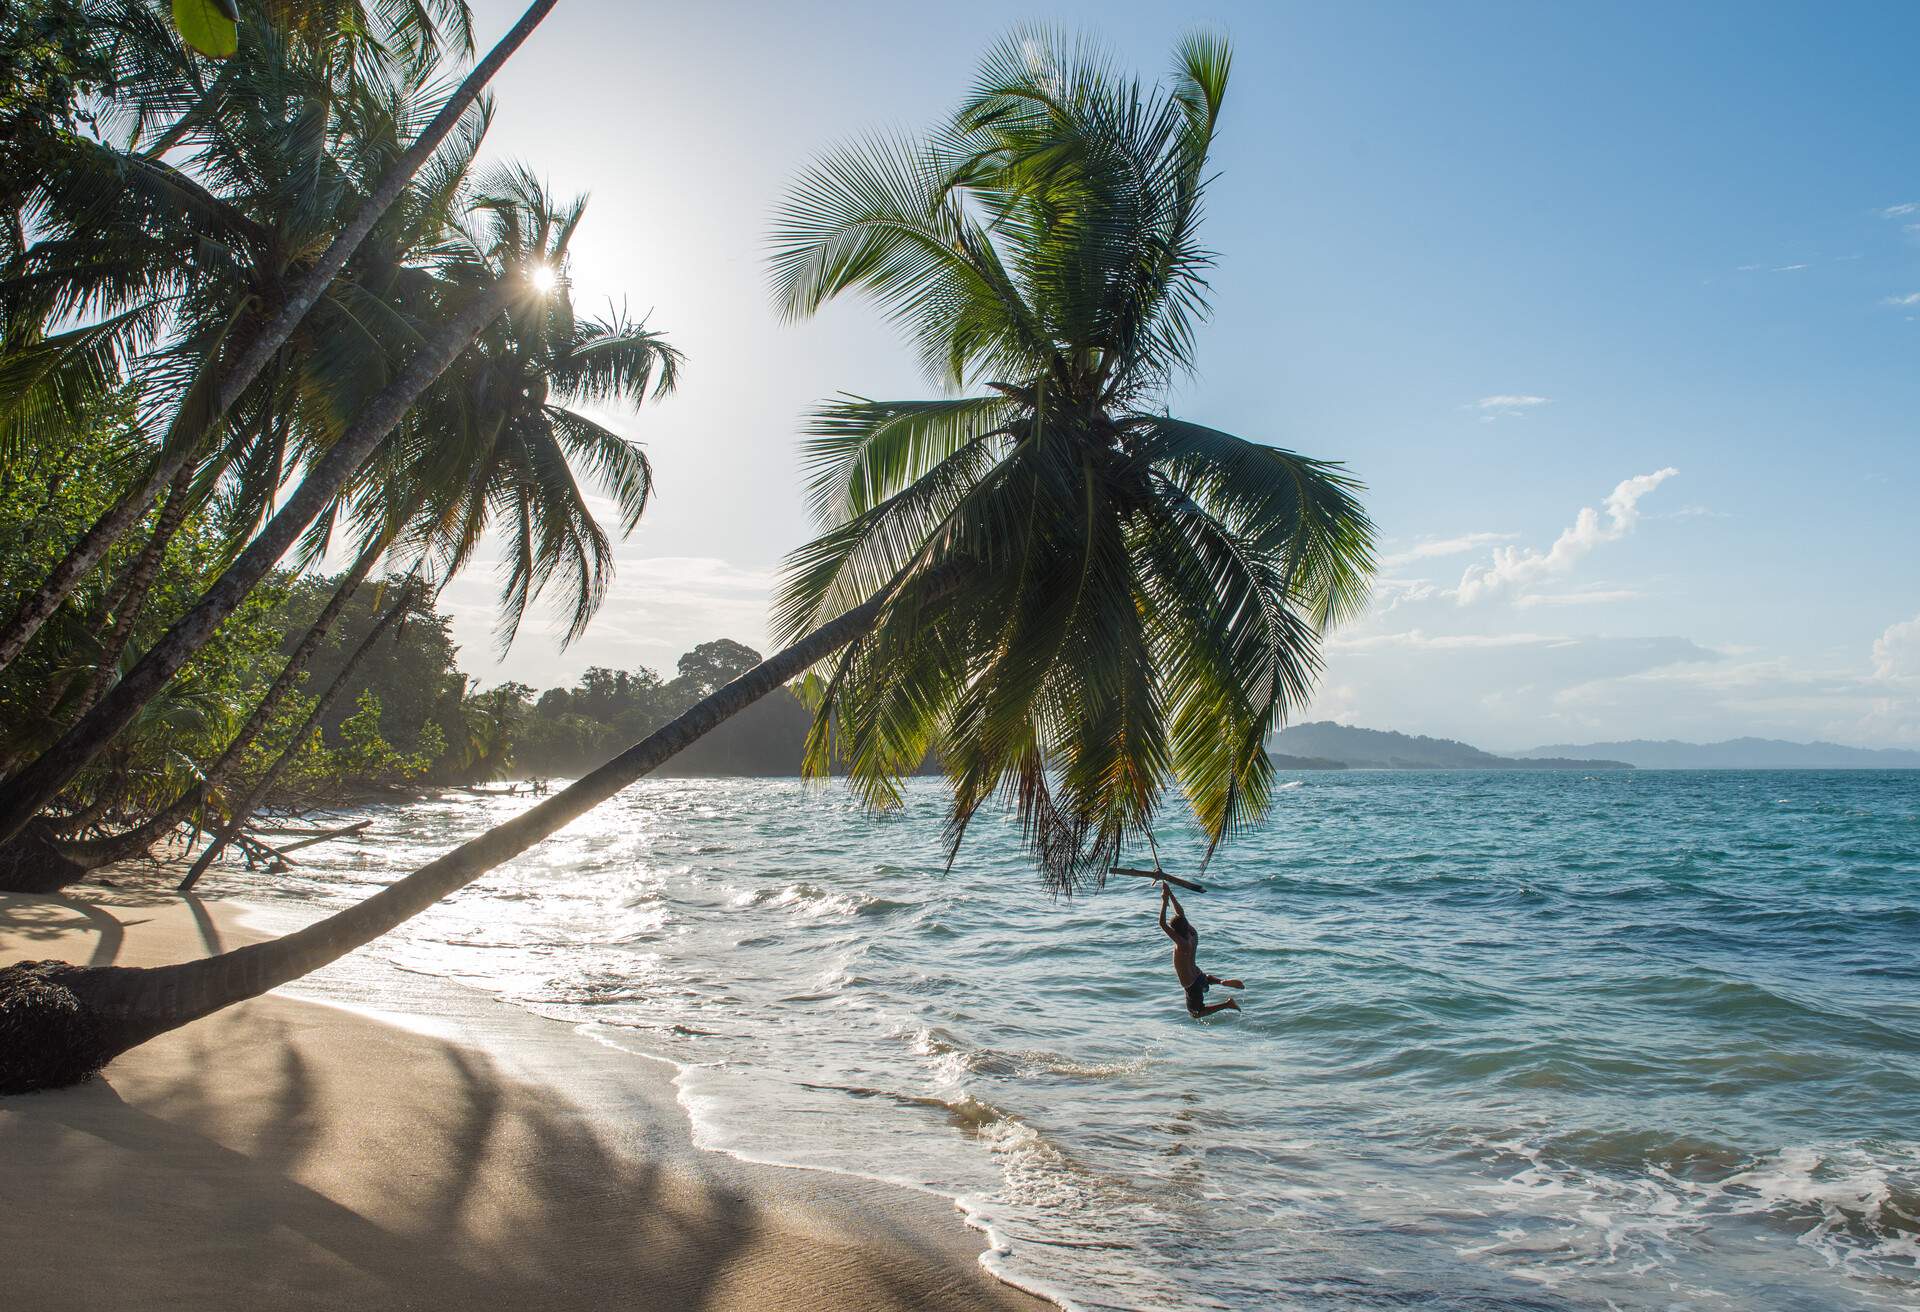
{"points": [[1511, 1040]]}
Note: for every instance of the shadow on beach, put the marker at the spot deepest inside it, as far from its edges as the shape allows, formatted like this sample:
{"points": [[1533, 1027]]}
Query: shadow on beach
{"points": [[289, 1155]]}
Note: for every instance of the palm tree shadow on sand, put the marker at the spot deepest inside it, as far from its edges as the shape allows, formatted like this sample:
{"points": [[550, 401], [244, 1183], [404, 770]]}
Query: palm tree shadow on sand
{"points": [[250, 1162]]}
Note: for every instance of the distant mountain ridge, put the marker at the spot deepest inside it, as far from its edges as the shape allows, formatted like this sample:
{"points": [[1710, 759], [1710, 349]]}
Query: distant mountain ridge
{"points": [[1739, 754], [1342, 745]]}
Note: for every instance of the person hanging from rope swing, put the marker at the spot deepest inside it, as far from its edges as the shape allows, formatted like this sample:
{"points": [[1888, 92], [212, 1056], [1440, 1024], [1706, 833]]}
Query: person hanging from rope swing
{"points": [[1186, 940]]}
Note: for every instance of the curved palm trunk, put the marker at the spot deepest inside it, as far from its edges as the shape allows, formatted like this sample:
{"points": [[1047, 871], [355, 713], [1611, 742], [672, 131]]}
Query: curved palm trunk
{"points": [[27, 792], [38, 607], [59, 1024], [123, 585], [119, 847], [74, 821], [179, 447], [136, 578], [244, 809], [132, 593]]}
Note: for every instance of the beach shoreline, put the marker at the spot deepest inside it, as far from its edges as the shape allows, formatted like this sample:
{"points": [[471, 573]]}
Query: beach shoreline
{"points": [[427, 1147]]}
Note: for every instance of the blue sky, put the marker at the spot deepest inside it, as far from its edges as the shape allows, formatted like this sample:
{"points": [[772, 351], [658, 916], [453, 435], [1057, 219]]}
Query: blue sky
{"points": [[1512, 263]]}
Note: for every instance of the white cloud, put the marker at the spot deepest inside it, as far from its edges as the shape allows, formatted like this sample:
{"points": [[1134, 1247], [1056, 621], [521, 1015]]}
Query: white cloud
{"points": [[1515, 566], [1900, 211], [1597, 597], [1490, 689], [1420, 640], [657, 608], [1507, 405], [1911, 298], [1896, 653], [1442, 547], [1749, 693], [1790, 268]]}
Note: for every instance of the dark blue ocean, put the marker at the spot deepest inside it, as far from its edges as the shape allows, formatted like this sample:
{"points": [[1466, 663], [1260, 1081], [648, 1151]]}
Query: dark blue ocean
{"points": [[1511, 1040]]}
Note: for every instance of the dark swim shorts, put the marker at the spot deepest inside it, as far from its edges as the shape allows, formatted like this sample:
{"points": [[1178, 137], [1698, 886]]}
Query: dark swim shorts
{"points": [[1197, 990]]}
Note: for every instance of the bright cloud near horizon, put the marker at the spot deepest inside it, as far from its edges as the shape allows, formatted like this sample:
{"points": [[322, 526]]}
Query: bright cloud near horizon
{"points": [[1583, 303], [1514, 567]]}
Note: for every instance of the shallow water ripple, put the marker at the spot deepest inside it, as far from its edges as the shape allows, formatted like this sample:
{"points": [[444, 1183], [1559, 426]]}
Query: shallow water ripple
{"points": [[1512, 1040]]}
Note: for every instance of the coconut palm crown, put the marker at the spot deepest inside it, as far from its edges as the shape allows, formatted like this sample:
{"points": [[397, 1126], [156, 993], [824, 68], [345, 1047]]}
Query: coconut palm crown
{"points": [[500, 441], [1124, 600]]}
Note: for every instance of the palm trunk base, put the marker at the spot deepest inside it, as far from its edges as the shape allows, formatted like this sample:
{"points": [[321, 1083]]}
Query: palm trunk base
{"points": [[34, 863], [49, 1036]]}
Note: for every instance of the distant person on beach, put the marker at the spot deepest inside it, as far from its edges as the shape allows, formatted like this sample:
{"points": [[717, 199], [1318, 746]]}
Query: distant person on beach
{"points": [[1186, 939]]}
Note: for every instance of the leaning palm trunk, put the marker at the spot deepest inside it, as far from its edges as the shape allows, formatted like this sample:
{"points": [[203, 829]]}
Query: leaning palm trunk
{"points": [[132, 585], [243, 810], [27, 792], [123, 586], [132, 593], [180, 447], [59, 1024], [119, 847]]}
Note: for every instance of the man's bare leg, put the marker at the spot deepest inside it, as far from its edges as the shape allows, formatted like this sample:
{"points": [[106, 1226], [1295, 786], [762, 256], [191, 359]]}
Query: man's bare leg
{"points": [[1231, 1004]]}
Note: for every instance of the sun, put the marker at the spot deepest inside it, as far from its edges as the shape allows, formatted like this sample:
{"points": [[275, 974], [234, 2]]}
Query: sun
{"points": [[544, 278]]}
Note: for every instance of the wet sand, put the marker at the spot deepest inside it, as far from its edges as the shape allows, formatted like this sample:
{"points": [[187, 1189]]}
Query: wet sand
{"points": [[291, 1154]]}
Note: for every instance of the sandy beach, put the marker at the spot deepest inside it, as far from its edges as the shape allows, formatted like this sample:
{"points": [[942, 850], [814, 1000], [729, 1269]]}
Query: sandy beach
{"points": [[289, 1154]]}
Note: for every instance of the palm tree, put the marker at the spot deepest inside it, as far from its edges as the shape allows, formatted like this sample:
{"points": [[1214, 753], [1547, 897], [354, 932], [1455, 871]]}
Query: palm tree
{"points": [[992, 569], [409, 597], [89, 854], [295, 410], [219, 385], [494, 445], [530, 234], [1138, 598], [497, 442]]}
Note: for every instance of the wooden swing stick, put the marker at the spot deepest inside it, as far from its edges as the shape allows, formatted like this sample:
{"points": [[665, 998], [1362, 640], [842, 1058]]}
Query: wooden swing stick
{"points": [[1160, 874]]}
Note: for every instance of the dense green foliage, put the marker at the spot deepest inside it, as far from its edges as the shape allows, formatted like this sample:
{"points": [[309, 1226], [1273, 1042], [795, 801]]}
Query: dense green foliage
{"points": [[426, 713], [1072, 600], [409, 716], [46, 498], [160, 208], [565, 731]]}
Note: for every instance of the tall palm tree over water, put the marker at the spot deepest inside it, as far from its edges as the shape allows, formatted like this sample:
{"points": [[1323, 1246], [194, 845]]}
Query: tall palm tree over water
{"points": [[1136, 599], [1070, 595]]}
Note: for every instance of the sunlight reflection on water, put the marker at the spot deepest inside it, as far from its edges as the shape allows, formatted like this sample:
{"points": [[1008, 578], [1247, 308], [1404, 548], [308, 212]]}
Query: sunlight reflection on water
{"points": [[1512, 1040]]}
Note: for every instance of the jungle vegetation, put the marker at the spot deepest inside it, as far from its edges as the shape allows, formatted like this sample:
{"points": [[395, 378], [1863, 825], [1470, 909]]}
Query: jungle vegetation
{"points": [[320, 335]]}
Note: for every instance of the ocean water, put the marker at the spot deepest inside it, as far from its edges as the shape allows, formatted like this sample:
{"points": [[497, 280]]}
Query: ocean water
{"points": [[1511, 1040]]}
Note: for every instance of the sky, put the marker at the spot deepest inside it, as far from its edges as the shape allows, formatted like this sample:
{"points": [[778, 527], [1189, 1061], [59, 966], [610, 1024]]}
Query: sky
{"points": [[1614, 309]]}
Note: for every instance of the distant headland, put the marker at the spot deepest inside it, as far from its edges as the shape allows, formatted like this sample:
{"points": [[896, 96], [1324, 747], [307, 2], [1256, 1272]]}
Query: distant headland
{"points": [[1324, 745]]}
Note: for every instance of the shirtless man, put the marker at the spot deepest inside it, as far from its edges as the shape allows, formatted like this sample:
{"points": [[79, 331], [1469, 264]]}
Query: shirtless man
{"points": [[1194, 980]]}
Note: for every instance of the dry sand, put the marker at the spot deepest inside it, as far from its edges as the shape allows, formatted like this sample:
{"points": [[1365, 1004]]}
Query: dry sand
{"points": [[286, 1154]]}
